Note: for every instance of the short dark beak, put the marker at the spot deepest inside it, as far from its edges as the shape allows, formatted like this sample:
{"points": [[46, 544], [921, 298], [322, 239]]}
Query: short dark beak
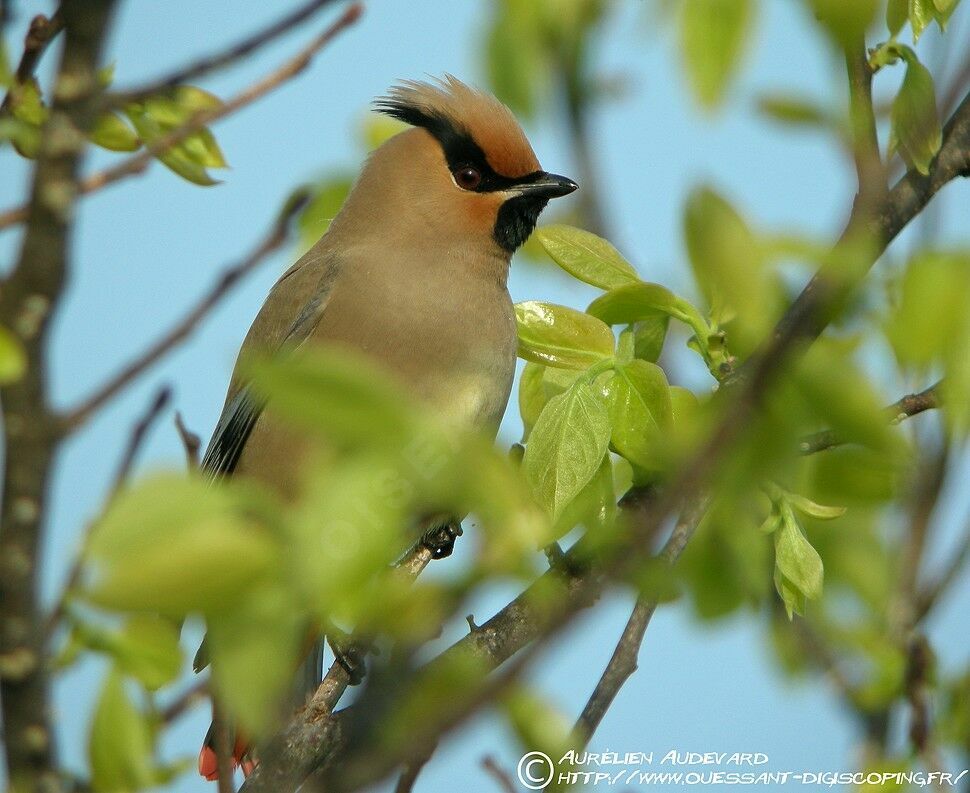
{"points": [[547, 185]]}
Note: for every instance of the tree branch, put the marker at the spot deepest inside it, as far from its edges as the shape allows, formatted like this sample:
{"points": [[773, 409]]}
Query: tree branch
{"points": [[137, 163], [40, 34], [852, 258], [272, 241], [221, 60], [904, 408], [30, 295], [623, 662]]}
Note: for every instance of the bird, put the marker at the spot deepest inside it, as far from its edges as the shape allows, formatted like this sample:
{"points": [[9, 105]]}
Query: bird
{"points": [[412, 273]]}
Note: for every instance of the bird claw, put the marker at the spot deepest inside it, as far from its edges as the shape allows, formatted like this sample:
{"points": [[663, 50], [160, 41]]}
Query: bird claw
{"points": [[440, 540]]}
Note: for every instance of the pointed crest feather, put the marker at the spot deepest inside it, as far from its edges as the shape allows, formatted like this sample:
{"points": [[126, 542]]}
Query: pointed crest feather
{"points": [[449, 106]]}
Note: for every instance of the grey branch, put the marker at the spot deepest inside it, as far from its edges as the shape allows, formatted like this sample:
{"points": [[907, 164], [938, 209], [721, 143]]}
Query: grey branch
{"points": [[221, 60], [904, 408], [30, 295]]}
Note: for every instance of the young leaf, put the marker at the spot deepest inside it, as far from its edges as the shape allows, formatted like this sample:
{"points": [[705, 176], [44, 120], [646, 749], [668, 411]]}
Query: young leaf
{"points": [[586, 256], [254, 650], [120, 744], [162, 546], [632, 303], [566, 446], [813, 509], [915, 120], [726, 259], [649, 334], [713, 34], [13, 360], [532, 396], [638, 400], [897, 13], [149, 650], [793, 110], [921, 14], [560, 336], [111, 133], [795, 557], [845, 22]]}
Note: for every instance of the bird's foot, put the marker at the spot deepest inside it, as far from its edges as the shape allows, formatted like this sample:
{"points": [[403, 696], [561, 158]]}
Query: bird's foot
{"points": [[440, 540]]}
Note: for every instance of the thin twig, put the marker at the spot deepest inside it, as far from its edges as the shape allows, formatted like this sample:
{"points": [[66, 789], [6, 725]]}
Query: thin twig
{"points": [[191, 442], [197, 693], [904, 408], [502, 777], [623, 662], [222, 745], [932, 592], [135, 440], [40, 34], [272, 241], [139, 162], [227, 57]]}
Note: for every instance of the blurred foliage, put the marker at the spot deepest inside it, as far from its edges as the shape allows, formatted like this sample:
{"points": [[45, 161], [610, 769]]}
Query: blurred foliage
{"points": [[149, 121], [815, 545]]}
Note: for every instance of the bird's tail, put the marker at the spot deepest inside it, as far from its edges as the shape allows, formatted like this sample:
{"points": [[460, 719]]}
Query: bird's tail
{"points": [[243, 752], [242, 756]]}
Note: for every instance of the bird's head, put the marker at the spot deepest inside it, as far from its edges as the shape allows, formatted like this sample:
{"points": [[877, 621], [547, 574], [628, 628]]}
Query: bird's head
{"points": [[466, 170]]}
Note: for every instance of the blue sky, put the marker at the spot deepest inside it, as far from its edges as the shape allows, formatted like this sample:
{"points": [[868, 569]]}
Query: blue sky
{"points": [[146, 250]]}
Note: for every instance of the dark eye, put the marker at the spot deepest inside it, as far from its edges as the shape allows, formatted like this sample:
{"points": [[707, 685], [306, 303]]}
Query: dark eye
{"points": [[467, 178]]}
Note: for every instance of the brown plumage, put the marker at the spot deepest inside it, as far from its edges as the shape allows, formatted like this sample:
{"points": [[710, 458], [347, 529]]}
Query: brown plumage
{"points": [[411, 273]]}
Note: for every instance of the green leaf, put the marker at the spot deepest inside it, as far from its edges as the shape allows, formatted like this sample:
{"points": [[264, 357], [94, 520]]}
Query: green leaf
{"points": [[813, 509], [328, 197], [377, 129], [149, 650], [931, 315], [897, 13], [111, 133], [845, 22], [915, 121], [160, 115], [13, 359], [713, 34], [24, 137], [566, 446], [514, 59], [649, 335], [560, 336], [638, 400], [633, 303], [254, 649], [921, 14], [727, 259], [174, 545], [586, 256], [532, 396], [120, 743], [796, 559], [793, 110], [341, 395]]}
